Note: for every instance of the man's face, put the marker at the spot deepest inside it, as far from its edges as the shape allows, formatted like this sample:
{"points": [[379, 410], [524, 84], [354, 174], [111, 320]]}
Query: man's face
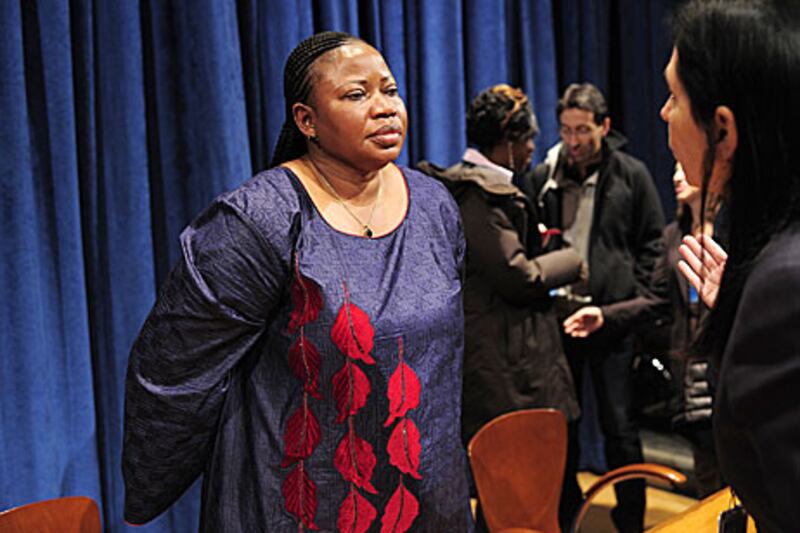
{"points": [[582, 136]]}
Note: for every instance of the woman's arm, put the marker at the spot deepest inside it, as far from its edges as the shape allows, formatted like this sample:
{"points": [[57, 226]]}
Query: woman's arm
{"points": [[210, 312], [495, 249]]}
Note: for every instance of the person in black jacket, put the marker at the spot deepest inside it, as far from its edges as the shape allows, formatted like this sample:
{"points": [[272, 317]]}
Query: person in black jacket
{"points": [[673, 303], [605, 206], [731, 115]]}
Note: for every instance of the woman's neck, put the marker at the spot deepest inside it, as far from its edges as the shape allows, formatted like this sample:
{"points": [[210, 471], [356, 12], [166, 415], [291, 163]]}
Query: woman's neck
{"points": [[351, 184]]}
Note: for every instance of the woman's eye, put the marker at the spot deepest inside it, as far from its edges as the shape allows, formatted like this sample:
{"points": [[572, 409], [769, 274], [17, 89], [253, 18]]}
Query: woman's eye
{"points": [[392, 91], [356, 95]]}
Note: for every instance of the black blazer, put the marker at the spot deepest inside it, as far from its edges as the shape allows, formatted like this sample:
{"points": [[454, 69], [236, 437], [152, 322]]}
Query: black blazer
{"points": [[757, 410]]}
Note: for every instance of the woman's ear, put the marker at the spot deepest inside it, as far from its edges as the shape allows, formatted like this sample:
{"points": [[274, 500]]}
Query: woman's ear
{"points": [[727, 135], [727, 140], [304, 118]]}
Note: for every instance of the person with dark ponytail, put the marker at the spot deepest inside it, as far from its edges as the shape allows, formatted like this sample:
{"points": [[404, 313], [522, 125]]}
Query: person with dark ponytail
{"points": [[305, 354], [733, 77]]}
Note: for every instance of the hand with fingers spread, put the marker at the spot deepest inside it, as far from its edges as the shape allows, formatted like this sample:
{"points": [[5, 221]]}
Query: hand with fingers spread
{"points": [[584, 321], [703, 264]]}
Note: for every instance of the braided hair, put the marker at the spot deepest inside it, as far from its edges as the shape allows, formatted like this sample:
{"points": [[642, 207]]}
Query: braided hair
{"points": [[297, 84], [500, 113]]}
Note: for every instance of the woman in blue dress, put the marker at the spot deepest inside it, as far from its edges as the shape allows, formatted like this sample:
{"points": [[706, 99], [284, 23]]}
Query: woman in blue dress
{"points": [[305, 354]]}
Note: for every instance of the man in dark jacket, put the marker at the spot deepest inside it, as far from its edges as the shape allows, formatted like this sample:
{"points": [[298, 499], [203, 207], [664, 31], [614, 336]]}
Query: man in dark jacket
{"points": [[604, 205]]}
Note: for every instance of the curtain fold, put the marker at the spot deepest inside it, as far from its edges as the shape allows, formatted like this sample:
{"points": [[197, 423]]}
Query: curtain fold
{"points": [[122, 120]]}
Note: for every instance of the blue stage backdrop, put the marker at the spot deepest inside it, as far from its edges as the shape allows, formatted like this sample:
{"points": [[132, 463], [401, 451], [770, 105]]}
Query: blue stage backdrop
{"points": [[121, 120]]}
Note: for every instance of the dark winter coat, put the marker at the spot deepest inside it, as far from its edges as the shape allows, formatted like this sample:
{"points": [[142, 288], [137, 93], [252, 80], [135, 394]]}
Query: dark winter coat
{"points": [[514, 357], [625, 237]]}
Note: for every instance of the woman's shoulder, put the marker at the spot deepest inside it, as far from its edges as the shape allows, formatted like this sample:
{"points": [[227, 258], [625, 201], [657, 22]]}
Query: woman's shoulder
{"points": [[270, 199], [423, 184], [428, 193], [778, 265], [273, 188]]}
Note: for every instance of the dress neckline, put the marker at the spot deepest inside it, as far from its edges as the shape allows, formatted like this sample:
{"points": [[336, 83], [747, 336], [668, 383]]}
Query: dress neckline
{"points": [[389, 233]]}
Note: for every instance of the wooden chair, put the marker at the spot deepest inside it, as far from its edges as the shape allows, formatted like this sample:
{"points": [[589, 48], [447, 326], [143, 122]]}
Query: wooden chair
{"points": [[71, 514], [518, 463]]}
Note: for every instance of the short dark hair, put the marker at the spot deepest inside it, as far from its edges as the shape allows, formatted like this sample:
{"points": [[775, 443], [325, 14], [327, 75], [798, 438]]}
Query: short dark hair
{"points": [[500, 113], [583, 96], [297, 85], [745, 54]]}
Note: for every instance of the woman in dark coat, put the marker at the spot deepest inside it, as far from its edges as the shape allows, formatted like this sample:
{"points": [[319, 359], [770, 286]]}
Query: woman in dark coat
{"points": [[513, 353]]}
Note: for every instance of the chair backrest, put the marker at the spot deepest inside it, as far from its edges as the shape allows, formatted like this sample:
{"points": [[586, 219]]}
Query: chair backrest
{"points": [[71, 514], [518, 462]]}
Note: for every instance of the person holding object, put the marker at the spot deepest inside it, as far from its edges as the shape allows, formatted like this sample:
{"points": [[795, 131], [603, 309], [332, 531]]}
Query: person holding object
{"points": [[733, 68], [606, 207], [513, 359], [305, 354], [513, 356]]}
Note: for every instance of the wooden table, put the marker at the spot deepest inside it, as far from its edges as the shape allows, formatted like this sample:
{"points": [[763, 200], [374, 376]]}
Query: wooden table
{"points": [[701, 517]]}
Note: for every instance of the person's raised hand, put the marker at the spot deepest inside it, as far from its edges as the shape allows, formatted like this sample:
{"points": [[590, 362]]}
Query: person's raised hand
{"points": [[702, 265]]}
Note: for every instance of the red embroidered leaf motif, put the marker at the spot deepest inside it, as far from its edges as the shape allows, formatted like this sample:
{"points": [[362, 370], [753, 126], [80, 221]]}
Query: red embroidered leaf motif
{"points": [[306, 301], [355, 460], [301, 436], [304, 363], [403, 392], [300, 494], [350, 390], [352, 332], [400, 512], [404, 447], [356, 514]]}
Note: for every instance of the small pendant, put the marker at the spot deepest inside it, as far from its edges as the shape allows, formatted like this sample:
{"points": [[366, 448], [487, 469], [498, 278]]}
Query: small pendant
{"points": [[367, 232]]}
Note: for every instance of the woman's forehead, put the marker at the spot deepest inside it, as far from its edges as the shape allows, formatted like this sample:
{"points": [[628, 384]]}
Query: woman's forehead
{"points": [[356, 59]]}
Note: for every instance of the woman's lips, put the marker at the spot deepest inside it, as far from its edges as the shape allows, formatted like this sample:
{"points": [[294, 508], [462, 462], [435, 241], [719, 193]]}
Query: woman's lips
{"points": [[387, 136]]}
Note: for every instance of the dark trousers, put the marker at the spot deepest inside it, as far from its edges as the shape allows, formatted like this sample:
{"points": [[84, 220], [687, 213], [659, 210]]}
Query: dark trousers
{"points": [[610, 369]]}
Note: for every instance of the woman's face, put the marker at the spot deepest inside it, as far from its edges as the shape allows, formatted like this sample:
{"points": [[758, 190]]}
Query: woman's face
{"points": [[684, 192], [358, 116], [522, 153], [687, 139]]}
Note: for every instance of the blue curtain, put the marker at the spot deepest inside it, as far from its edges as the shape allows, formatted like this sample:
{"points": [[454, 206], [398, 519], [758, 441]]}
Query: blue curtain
{"points": [[622, 46], [120, 122]]}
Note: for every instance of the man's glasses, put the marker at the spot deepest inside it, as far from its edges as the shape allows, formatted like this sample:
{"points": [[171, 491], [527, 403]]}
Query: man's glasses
{"points": [[582, 131]]}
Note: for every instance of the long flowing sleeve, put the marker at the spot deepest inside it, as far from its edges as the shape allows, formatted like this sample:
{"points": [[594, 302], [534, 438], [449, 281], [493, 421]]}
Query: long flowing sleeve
{"points": [[210, 313]]}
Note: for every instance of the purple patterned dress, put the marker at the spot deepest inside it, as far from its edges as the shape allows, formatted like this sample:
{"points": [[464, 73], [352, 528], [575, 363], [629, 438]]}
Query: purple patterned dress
{"points": [[313, 377]]}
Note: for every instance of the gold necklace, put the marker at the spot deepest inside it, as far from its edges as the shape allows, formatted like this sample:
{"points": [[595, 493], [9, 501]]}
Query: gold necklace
{"points": [[327, 184]]}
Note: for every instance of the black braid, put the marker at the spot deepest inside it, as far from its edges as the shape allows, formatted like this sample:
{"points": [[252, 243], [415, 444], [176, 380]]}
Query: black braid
{"points": [[297, 87]]}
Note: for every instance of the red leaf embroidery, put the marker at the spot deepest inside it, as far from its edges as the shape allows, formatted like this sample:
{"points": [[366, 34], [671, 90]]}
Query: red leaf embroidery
{"points": [[350, 390], [306, 301], [355, 460], [404, 447], [304, 363], [356, 514], [352, 332], [400, 512], [301, 436], [300, 494], [403, 392]]}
